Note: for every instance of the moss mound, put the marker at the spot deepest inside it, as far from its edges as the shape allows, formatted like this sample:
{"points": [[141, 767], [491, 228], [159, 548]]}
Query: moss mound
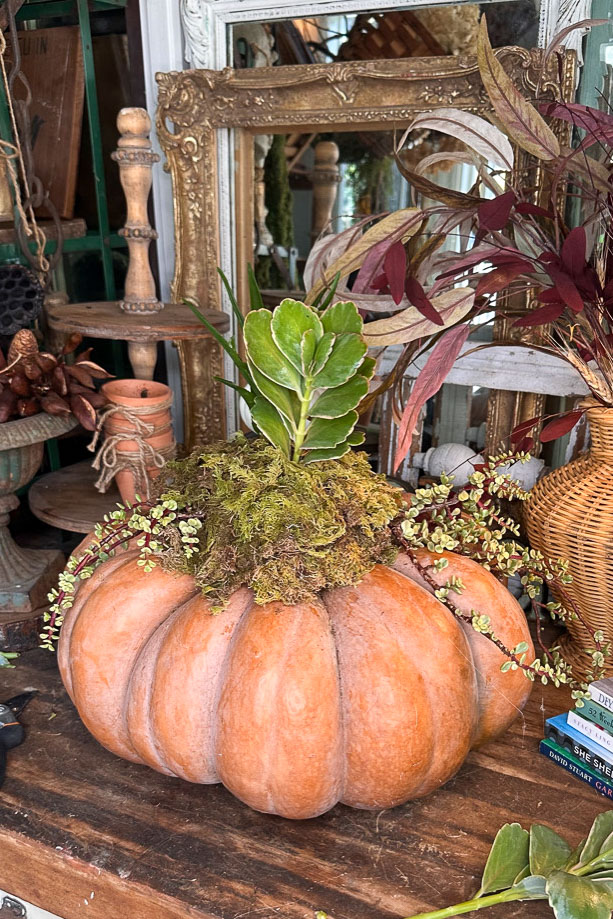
{"points": [[284, 529]]}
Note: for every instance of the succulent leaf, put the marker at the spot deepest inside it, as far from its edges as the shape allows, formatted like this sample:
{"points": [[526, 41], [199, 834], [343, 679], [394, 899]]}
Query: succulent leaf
{"points": [[322, 352], [338, 401], [328, 432], [270, 424], [367, 367], [342, 317], [265, 354], [285, 400], [290, 321], [317, 456], [346, 356], [308, 344]]}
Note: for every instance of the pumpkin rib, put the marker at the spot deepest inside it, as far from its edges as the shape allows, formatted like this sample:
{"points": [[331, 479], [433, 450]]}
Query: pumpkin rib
{"points": [[121, 615], [501, 695], [381, 746], [138, 695], [189, 673], [341, 698], [444, 763], [84, 593], [377, 637], [279, 712]]}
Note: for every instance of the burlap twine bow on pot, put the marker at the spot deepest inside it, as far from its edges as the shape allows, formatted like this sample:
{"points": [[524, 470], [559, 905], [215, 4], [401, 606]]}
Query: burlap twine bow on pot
{"points": [[139, 439]]}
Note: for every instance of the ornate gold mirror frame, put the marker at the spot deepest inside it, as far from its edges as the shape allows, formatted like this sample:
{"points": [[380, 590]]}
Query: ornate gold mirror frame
{"points": [[199, 108]]}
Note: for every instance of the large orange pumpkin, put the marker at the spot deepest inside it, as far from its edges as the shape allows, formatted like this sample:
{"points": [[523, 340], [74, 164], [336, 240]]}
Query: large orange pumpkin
{"points": [[371, 696]]}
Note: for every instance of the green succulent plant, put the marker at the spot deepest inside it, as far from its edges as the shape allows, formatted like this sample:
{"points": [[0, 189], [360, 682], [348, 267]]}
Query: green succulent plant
{"points": [[306, 373]]}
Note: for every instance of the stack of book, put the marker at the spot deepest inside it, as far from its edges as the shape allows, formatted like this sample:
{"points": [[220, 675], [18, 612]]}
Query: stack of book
{"points": [[581, 740]]}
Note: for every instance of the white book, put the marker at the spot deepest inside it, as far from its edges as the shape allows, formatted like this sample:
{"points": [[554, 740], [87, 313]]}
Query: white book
{"points": [[591, 730], [601, 691]]}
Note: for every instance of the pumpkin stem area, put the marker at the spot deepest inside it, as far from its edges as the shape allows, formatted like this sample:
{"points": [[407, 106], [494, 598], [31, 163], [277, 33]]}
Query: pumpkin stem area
{"points": [[285, 529]]}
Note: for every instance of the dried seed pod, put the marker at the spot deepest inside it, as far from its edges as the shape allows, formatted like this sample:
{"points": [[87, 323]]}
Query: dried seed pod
{"points": [[54, 404], [72, 343], [47, 362], [95, 399], [80, 374], [97, 372], [58, 381], [31, 368], [83, 412], [19, 384], [28, 407]]}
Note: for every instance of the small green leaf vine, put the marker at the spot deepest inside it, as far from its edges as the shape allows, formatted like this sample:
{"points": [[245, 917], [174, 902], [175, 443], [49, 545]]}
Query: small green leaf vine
{"points": [[471, 523], [541, 865]]}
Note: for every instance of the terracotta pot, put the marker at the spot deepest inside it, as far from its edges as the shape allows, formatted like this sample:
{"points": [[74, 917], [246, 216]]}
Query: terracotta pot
{"points": [[148, 402], [569, 515]]}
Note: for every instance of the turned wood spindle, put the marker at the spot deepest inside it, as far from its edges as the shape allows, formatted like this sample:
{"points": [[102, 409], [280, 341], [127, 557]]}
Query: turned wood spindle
{"points": [[325, 177], [135, 157]]}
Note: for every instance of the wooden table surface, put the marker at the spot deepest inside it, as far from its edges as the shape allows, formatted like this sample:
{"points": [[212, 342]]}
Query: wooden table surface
{"points": [[85, 834]]}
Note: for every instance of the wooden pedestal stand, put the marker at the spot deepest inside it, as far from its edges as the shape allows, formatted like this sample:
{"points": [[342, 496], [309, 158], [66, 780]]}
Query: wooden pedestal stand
{"points": [[140, 318], [67, 499]]}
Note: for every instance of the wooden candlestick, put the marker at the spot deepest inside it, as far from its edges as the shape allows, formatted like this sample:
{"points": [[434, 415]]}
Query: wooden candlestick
{"points": [[135, 157], [326, 177]]}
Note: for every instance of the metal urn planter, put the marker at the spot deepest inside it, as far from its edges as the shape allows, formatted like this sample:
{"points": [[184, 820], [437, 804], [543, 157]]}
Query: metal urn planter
{"points": [[26, 575]]}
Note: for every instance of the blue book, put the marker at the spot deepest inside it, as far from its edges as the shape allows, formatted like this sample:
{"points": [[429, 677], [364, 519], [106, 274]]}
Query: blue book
{"points": [[583, 748], [566, 760]]}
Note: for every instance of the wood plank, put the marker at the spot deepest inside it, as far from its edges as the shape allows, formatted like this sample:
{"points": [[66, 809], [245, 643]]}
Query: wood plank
{"points": [[503, 367], [105, 319], [52, 62], [71, 229], [76, 821]]}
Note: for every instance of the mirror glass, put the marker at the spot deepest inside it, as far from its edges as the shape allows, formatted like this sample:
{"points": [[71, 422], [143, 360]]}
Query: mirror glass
{"points": [[409, 31], [309, 185]]}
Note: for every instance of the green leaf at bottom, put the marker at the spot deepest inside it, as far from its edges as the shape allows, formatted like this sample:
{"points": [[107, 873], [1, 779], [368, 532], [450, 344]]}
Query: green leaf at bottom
{"points": [[324, 433], [572, 897], [532, 887], [354, 440], [508, 857], [548, 851], [270, 424], [602, 827]]}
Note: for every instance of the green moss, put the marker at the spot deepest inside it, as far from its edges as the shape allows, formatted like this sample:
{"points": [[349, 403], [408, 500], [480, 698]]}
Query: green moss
{"points": [[285, 529]]}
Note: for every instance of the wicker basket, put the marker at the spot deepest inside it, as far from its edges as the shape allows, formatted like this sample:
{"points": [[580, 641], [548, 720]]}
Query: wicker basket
{"points": [[570, 515]]}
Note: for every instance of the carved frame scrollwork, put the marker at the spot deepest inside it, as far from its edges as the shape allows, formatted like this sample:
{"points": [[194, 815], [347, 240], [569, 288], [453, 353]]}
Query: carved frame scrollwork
{"points": [[197, 107]]}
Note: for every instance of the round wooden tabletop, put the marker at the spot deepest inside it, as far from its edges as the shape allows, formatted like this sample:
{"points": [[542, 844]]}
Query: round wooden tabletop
{"points": [[69, 500], [106, 320]]}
